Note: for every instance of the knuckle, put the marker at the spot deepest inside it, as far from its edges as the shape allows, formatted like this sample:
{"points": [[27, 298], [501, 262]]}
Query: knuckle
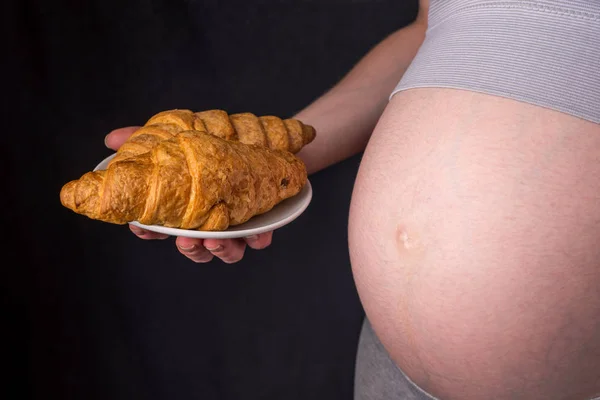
{"points": [[226, 255], [231, 260], [263, 245], [219, 248], [260, 243], [196, 253], [232, 257], [188, 244], [201, 259]]}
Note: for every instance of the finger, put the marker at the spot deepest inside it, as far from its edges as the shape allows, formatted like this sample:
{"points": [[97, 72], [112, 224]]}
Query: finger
{"points": [[228, 250], [116, 138], [193, 249], [148, 235], [261, 241]]}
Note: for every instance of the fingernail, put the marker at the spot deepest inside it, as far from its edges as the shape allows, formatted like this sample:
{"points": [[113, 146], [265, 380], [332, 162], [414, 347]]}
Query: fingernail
{"points": [[188, 249], [252, 237], [216, 249], [106, 140]]}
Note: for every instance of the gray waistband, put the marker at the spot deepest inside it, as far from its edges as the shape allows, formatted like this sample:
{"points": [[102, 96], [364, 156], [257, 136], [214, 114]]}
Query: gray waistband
{"points": [[544, 52]]}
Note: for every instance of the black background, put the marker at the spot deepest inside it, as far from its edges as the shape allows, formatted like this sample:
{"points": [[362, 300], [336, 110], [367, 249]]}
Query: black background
{"points": [[91, 311]]}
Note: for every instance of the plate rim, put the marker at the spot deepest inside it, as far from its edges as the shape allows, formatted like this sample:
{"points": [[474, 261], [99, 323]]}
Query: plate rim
{"points": [[228, 234]]}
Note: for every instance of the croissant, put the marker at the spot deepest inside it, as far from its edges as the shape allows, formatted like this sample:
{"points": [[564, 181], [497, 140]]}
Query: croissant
{"points": [[269, 131], [193, 180]]}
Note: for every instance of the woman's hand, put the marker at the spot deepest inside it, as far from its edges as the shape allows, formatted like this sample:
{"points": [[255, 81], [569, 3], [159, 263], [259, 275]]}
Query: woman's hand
{"points": [[197, 250]]}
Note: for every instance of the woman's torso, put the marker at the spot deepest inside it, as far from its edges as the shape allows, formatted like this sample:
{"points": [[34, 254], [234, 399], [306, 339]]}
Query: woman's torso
{"points": [[453, 190]]}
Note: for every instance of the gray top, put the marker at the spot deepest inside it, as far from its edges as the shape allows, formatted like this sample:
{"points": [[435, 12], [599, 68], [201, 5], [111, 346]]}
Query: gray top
{"points": [[544, 52]]}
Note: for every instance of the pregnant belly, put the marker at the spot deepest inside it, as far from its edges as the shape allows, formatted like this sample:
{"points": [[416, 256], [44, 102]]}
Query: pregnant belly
{"points": [[450, 194]]}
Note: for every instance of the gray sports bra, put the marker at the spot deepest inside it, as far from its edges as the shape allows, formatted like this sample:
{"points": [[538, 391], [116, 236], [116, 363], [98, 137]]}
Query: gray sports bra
{"points": [[544, 52]]}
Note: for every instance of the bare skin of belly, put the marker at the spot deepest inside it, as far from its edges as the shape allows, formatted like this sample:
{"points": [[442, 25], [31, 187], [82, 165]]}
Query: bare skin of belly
{"points": [[475, 245]]}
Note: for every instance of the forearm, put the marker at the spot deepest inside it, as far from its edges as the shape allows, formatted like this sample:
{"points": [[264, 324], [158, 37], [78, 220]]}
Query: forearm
{"points": [[345, 116]]}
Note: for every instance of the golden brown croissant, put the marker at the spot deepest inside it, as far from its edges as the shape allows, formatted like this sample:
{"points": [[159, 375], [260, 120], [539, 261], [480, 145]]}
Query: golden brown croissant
{"points": [[269, 131], [192, 181]]}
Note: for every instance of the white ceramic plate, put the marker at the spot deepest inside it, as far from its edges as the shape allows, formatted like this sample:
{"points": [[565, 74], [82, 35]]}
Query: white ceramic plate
{"points": [[280, 215]]}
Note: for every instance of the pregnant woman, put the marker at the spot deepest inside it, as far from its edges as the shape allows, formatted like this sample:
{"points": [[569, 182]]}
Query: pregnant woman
{"points": [[474, 229]]}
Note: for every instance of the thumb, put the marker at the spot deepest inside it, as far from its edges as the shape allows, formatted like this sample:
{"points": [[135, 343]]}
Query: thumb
{"points": [[116, 138]]}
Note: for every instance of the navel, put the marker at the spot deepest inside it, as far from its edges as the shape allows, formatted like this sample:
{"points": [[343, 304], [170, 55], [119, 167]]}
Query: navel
{"points": [[406, 241]]}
